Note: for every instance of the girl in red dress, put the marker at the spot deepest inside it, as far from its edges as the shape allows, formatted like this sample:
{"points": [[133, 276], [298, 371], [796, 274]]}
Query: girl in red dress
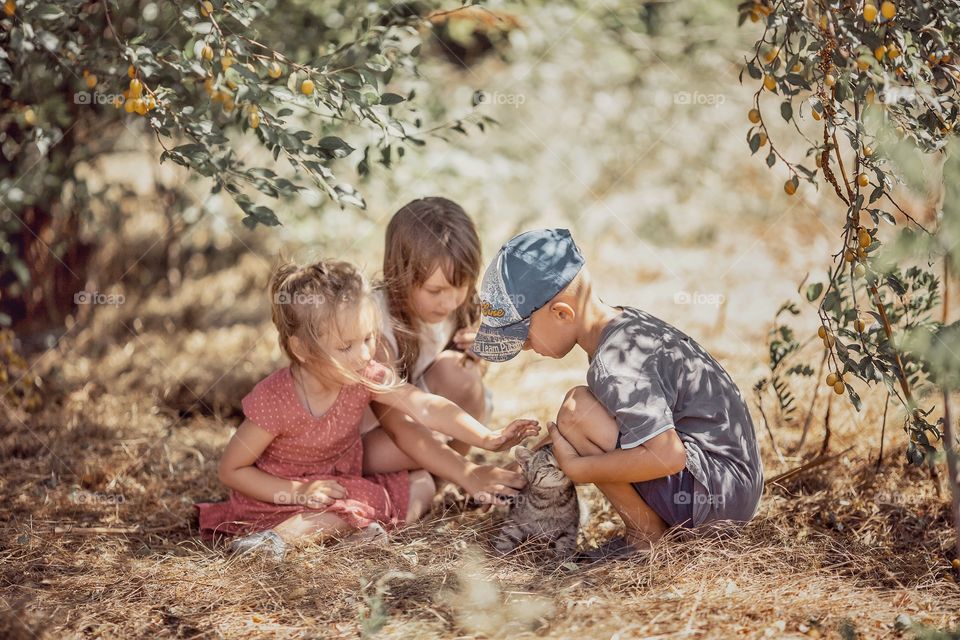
{"points": [[294, 466]]}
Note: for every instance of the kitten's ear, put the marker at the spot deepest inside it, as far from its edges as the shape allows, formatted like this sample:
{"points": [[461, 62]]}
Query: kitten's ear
{"points": [[523, 456]]}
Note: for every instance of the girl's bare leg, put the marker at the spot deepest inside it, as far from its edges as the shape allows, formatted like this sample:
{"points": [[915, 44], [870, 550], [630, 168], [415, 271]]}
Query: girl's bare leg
{"points": [[382, 455], [306, 525], [422, 489]]}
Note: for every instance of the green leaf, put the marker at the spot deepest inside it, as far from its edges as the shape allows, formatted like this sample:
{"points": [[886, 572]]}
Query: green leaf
{"points": [[336, 146], [369, 95], [20, 269], [786, 110], [831, 301], [814, 290], [258, 214], [347, 194], [49, 12], [854, 398], [391, 98], [378, 63]]}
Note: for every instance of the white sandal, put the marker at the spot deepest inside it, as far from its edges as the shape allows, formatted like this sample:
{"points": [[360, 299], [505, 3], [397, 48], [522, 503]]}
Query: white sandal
{"points": [[267, 542]]}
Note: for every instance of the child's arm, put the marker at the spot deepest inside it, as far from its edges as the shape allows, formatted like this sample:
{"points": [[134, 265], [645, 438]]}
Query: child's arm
{"points": [[418, 442], [238, 472], [444, 416], [660, 456]]}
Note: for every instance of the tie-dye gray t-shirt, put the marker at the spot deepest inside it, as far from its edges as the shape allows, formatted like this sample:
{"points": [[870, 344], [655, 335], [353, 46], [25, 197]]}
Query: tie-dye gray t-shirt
{"points": [[651, 377]]}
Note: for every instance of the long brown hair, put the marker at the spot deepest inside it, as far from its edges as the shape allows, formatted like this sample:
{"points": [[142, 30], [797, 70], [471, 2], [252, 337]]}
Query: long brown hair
{"points": [[424, 235], [311, 301]]}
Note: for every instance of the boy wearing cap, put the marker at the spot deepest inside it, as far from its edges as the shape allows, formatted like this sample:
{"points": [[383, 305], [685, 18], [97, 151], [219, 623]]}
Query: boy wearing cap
{"points": [[660, 427]]}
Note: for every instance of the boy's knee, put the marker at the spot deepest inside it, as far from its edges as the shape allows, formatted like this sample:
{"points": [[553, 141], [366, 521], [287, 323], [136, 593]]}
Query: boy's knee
{"points": [[584, 422], [572, 411]]}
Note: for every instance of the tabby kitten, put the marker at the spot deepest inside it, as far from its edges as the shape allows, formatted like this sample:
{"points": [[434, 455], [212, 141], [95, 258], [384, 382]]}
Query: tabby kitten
{"points": [[546, 509]]}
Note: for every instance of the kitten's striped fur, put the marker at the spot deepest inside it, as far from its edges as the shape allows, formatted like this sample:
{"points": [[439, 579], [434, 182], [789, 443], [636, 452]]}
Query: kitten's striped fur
{"points": [[546, 510]]}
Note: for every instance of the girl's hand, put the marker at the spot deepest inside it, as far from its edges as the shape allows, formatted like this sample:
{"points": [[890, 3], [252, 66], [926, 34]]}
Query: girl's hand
{"points": [[491, 485], [513, 434], [319, 493], [563, 451], [464, 339]]}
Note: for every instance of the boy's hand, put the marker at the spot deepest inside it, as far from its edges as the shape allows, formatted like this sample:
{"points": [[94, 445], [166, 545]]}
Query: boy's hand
{"points": [[563, 451], [514, 433]]}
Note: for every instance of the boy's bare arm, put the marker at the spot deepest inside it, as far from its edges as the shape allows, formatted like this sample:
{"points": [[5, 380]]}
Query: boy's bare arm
{"points": [[660, 456]]}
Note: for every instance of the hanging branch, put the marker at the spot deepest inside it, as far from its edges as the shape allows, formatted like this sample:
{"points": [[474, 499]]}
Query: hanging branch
{"points": [[953, 464]]}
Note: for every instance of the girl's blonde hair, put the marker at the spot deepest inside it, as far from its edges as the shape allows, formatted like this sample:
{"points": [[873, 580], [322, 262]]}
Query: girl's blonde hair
{"points": [[424, 235], [311, 302]]}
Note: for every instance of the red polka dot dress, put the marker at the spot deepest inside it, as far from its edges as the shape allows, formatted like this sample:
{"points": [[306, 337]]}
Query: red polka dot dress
{"points": [[306, 448]]}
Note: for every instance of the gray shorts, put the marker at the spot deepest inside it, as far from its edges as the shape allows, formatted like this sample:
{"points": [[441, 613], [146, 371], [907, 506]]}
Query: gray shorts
{"points": [[670, 497]]}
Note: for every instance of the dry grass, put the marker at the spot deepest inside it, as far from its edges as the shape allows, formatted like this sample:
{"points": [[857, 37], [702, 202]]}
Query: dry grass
{"points": [[131, 435], [99, 536]]}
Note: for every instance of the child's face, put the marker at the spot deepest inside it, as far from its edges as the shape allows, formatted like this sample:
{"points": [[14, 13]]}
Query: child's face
{"points": [[436, 298], [553, 330], [355, 342]]}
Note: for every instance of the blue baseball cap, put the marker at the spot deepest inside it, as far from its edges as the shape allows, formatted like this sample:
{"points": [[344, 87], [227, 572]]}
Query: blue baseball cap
{"points": [[528, 272]]}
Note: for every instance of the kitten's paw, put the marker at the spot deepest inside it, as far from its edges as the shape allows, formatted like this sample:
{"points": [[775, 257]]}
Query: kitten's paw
{"points": [[565, 553], [504, 545]]}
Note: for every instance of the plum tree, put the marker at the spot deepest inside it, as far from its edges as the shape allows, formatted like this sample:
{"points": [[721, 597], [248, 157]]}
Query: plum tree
{"points": [[310, 82], [871, 79]]}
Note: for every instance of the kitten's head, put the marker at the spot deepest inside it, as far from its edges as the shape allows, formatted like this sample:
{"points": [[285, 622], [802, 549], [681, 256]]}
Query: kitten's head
{"points": [[540, 467]]}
